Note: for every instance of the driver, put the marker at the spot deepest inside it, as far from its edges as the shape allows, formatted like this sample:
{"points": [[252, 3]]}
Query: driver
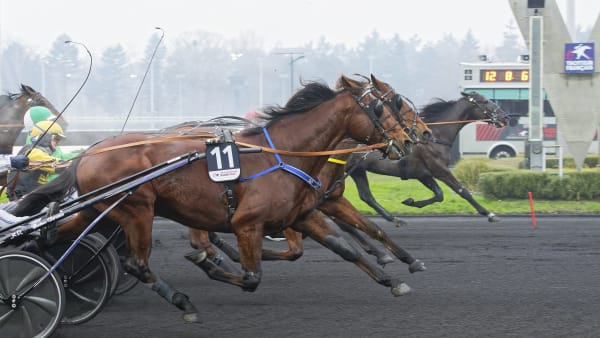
{"points": [[42, 148]]}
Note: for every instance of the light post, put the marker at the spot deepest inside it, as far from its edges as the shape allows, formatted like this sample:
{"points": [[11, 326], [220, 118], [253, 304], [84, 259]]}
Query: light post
{"points": [[293, 59]]}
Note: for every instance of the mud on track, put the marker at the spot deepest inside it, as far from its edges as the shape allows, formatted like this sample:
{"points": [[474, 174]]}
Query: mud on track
{"points": [[483, 280]]}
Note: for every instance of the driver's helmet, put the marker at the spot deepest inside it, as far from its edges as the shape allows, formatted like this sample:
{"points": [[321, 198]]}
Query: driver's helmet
{"points": [[55, 132]]}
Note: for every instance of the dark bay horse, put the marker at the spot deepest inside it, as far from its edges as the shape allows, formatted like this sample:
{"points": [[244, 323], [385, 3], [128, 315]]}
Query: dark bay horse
{"points": [[316, 118], [13, 107], [331, 203], [430, 161]]}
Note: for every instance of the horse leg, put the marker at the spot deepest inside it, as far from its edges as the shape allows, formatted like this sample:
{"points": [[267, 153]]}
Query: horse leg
{"points": [[249, 238], [138, 232], [359, 176], [208, 259], [383, 257], [438, 194], [455, 185], [294, 251], [342, 211], [318, 229]]}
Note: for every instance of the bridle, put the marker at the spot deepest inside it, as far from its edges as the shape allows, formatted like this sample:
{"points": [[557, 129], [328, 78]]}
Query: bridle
{"points": [[374, 110], [492, 115], [396, 102]]}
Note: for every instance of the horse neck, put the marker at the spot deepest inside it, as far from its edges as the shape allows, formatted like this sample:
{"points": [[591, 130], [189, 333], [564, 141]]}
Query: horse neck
{"points": [[319, 129], [459, 112]]}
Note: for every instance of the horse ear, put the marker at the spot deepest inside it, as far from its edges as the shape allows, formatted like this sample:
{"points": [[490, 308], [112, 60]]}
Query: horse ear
{"points": [[342, 82], [375, 81], [26, 89]]}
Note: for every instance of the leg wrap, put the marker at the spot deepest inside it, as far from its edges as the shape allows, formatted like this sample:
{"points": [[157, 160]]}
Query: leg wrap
{"points": [[163, 289], [341, 247]]}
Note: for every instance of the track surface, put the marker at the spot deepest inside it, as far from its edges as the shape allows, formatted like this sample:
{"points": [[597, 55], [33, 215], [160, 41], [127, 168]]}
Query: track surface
{"points": [[483, 280]]}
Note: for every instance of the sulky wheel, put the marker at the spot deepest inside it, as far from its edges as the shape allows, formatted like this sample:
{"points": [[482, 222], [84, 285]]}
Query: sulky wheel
{"points": [[86, 279], [111, 256], [33, 313]]}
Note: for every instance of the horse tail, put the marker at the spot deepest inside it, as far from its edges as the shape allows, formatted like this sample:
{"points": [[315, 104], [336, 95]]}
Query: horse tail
{"points": [[54, 191]]}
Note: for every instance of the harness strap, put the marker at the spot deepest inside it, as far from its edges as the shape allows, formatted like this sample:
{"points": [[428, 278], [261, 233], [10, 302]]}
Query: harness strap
{"points": [[315, 183]]}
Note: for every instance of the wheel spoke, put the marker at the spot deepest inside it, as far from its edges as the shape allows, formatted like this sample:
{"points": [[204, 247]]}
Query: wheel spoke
{"points": [[4, 282], [27, 322], [82, 297], [88, 276], [34, 274], [5, 317], [49, 306]]}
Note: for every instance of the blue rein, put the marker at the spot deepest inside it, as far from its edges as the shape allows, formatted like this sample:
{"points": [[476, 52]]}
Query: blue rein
{"points": [[315, 183]]}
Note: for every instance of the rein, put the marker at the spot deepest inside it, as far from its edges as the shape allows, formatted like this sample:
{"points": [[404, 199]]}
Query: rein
{"points": [[460, 121], [36, 164]]}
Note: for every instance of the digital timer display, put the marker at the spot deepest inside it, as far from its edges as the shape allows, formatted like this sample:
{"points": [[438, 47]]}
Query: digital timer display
{"points": [[504, 75]]}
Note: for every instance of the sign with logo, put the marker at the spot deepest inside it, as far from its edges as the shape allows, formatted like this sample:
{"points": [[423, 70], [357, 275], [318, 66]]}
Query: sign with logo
{"points": [[223, 162], [579, 57]]}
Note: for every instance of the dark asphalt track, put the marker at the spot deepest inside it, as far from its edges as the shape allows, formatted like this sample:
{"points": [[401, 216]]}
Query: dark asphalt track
{"points": [[483, 280]]}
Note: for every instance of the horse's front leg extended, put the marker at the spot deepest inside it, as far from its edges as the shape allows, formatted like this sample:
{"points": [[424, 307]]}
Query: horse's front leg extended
{"points": [[359, 176], [342, 211], [455, 185], [382, 256], [318, 229], [438, 194]]}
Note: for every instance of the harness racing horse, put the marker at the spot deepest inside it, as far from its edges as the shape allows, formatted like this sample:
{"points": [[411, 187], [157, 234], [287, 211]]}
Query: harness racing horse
{"points": [[13, 107], [428, 162], [332, 203], [265, 200]]}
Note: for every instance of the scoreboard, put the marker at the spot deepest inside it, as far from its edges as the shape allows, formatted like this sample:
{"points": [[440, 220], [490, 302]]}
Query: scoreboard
{"points": [[503, 75], [494, 75]]}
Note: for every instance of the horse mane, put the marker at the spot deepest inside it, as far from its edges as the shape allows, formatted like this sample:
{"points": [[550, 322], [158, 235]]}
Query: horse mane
{"points": [[432, 111], [6, 98], [312, 94]]}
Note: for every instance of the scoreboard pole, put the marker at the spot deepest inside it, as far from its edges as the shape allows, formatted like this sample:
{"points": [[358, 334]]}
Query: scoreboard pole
{"points": [[535, 145]]}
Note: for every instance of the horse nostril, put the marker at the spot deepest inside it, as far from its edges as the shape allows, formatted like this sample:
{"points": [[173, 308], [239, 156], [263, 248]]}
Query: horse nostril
{"points": [[427, 136]]}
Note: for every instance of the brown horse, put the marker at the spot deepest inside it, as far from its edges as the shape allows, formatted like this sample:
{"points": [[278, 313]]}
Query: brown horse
{"points": [[316, 118], [12, 112], [332, 203]]}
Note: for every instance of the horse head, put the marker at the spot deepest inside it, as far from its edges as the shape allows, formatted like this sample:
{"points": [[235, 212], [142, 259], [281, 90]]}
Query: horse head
{"points": [[34, 98], [385, 128], [486, 109], [404, 111]]}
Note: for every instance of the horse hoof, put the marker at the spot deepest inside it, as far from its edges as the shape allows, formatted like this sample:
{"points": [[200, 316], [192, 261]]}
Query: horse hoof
{"points": [[399, 223], [400, 290], [385, 259], [191, 317], [416, 266], [408, 201], [196, 256], [493, 218]]}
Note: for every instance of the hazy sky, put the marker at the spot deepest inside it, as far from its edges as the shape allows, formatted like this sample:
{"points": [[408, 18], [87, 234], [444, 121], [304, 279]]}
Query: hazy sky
{"points": [[101, 23]]}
